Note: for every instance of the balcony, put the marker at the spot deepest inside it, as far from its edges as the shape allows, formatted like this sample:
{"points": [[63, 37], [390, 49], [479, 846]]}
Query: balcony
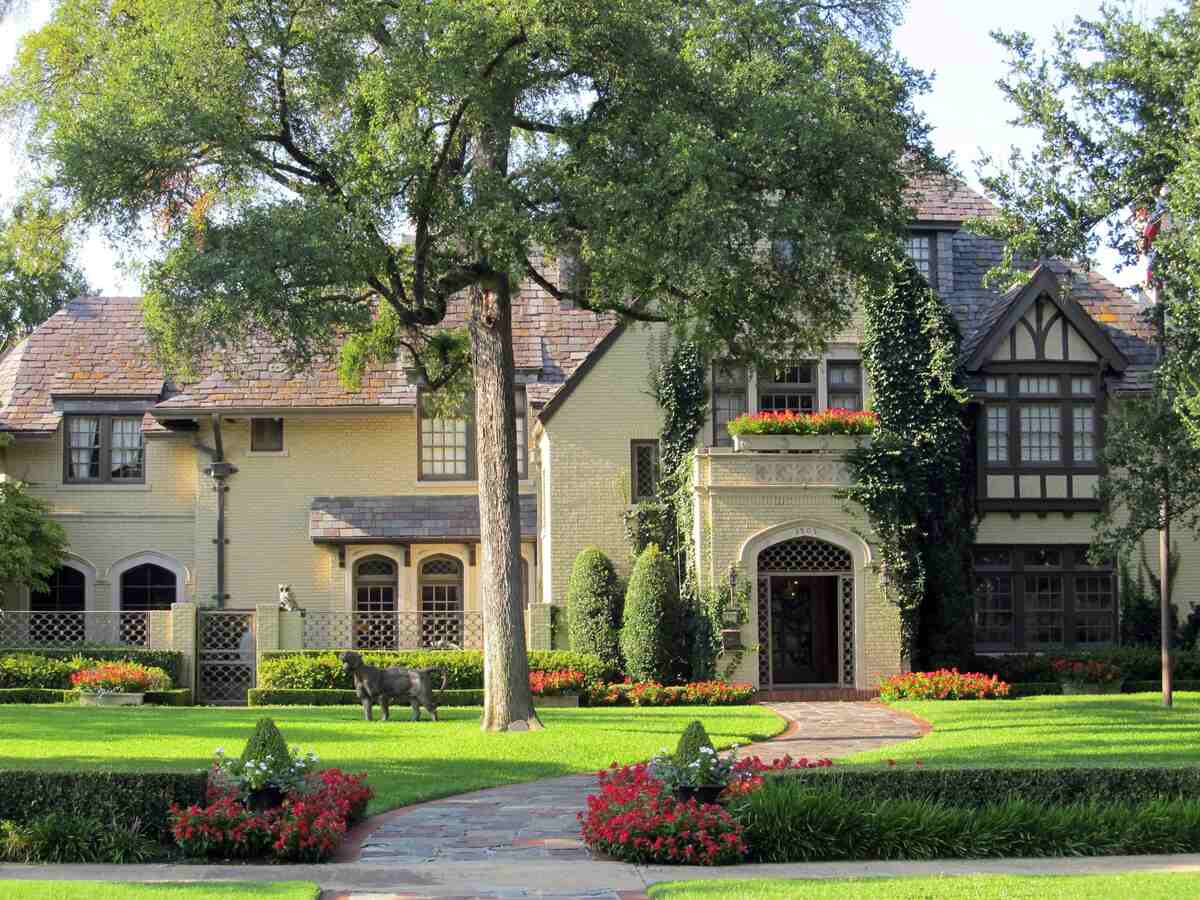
{"points": [[778, 461]]}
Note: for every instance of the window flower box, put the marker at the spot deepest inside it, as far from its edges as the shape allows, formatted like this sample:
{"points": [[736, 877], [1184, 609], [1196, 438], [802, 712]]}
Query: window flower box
{"points": [[799, 443], [831, 431], [113, 698]]}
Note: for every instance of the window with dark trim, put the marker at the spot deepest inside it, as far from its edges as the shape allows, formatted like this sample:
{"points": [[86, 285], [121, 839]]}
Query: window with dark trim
{"points": [[1041, 421], [148, 587], [103, 449], [446, 446], [66, 592], [1043, 597], [730, 399], [922, 250], [844, 384], [266, 435], [788, 388], [643, 480]]}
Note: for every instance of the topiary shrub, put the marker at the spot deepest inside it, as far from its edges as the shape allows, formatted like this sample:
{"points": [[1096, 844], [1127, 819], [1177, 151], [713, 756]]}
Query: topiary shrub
{"points": [[651, 618], [693, 738], [267, 741], [594, 607]]}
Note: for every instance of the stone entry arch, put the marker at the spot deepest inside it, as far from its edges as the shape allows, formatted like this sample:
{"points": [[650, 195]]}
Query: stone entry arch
{"points": [[805, 605]]}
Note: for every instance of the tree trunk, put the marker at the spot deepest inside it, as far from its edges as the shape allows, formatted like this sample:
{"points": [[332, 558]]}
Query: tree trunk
{"points": [[507, 700], [1164, 591]]}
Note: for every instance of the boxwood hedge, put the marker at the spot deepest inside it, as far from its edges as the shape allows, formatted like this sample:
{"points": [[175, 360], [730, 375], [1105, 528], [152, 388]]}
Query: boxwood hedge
{"points": [[173, 697], [48, 668]]}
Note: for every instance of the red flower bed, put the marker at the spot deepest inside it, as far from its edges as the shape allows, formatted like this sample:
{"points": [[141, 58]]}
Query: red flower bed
{"points": [[651, 693], [309, 827], [551, 684], [944, 684], [1090, 671], [830, 421], [749, 772], [630, 819], [114, 677]]}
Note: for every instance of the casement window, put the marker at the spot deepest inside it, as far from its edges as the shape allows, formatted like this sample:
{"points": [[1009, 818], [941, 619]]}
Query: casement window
{"points": [[845, 384], [447, 445], [266, 435], [1045, 597], [920, 247], [103, 449], [789, 388], [643, 477], [1048, 422], [730, 399]]}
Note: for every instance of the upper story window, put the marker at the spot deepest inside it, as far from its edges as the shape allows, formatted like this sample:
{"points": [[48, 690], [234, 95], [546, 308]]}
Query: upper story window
{"points": [[643, 478], [791, 388], [845, 384], [447, 445], [919, 246], [730, 399], [266, 435], [1041, 421], [103, 449]]}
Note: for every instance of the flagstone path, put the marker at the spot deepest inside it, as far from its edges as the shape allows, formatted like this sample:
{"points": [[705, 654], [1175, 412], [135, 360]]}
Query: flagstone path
{"points": [[537, 821]]}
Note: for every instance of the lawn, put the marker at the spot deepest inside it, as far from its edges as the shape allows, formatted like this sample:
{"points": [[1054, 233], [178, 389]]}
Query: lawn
{"points": [[114, 890], [406, 761], [1119, 730], [1142, 885]]}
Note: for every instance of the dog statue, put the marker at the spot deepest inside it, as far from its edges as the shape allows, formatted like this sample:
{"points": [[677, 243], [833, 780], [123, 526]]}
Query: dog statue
{"points": [[375, 685]]}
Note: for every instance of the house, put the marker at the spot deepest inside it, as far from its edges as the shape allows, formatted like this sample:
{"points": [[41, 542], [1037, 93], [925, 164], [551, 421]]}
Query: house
{"points": [[188, 505]]}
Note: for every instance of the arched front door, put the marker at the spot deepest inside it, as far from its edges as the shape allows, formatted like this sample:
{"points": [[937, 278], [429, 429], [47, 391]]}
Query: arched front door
{"points": [[442, 603], [800, 611]]}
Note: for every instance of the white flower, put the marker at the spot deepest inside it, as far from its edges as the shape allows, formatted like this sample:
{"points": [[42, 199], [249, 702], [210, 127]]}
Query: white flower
{"points": [[220, 751]]}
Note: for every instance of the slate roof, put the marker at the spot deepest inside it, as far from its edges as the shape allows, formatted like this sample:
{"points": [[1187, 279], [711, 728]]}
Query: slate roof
{"points": [[941, 199], [349, 519]]}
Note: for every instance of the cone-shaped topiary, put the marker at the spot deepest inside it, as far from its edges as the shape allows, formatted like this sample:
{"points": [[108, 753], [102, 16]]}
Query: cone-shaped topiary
{"points": [[267, 741], [594, 607], [651, 617], [693, 738]]}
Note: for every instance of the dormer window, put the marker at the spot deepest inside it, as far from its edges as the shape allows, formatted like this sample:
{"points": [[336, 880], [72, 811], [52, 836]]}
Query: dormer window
{"points": [[103, 449], [919, 246]]}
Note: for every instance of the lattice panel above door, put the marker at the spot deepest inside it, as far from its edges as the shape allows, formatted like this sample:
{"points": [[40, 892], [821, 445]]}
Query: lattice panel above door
{"points": [[804, 555]]}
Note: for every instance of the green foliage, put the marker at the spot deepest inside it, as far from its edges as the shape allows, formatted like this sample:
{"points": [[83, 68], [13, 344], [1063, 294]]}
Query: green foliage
{"points": [[266, 743], [36, 695], [646, 523], [913, 481], [1138, 664], [321, 669], [31, 543], [53, 668], [27, 670], [112, 797], [791, 820], [680, 387], [344, 697], [72, 838], [1140, 607], [693, 738], [651, 621], [594, 607]]}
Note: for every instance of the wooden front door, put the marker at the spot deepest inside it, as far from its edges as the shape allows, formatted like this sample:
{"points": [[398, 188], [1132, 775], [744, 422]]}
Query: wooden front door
{"points": [[803, 629]]}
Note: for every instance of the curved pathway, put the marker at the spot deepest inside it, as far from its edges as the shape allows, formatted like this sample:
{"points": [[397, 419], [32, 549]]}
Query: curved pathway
{"points": [[538, 820]]}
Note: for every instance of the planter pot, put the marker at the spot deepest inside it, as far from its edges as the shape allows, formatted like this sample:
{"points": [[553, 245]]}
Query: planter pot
{"points": [[570, 700], [265, 799], [1085, 687], [111, 699], [800, 443], [731, 639], [704, 793]]}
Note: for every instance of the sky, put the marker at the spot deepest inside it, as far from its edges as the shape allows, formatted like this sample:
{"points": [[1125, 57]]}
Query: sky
{"points": [[948, 37]]}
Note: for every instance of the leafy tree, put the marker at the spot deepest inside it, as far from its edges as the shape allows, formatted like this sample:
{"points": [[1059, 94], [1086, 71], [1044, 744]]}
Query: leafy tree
{"points": [[594, 607], [38, 270], [326, 170], [31, 543], [649, 628]]}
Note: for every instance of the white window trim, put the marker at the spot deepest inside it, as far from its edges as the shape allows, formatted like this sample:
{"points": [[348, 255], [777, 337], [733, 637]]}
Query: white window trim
{"points": [[79, 564], [183, 578]]}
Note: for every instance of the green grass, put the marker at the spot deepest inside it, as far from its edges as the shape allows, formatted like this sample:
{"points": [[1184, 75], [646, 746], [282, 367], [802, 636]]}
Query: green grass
{"points": [[115, 890], [1142, 885], [1119, 730], [406, 762]]}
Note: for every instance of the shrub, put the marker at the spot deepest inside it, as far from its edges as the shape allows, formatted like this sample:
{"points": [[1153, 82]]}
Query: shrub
{"points": [[1092, 671], [651, 693], [552, 684], [594, 607], [944, 684], [1137, 664], [266, 742], [632, 819], [112, 797], [83, 655], [30, 670], [310, 670], [646, 523], [692, 743], [651, 618], [35, 695], [224, 829], [340, 697], [119, 678], [718, 693], [833, 421]]}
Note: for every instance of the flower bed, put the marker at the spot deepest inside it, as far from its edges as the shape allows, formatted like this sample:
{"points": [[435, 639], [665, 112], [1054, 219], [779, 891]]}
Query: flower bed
{"points": [[555, 684], [944, 684], [651, 693], [1090, 672], [832, 421], [119, 678]]}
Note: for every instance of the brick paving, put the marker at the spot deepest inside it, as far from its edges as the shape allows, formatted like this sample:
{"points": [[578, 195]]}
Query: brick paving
{"points": [[537, 821]]}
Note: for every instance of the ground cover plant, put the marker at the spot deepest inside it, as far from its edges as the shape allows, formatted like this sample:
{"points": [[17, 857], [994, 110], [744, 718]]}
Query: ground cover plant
{"points": [[944, 684], [405, 762], [128, 890], [1052, 730], [1142, 885]]}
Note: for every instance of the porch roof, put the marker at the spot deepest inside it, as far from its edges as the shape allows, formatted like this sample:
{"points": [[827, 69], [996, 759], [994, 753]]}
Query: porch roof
{"points": [[418, 518]]}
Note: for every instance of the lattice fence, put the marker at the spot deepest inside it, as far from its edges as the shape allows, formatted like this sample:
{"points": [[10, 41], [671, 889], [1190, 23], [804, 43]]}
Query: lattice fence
{"points": [[804, 555], [393, 630], [56, 630], [226, 649]]}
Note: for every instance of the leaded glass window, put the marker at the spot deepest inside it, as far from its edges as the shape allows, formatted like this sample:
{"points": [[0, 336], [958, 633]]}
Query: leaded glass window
{"points": [[1084, 433], [1041, 437], [997, 434], [919, 247], [644, 475]]}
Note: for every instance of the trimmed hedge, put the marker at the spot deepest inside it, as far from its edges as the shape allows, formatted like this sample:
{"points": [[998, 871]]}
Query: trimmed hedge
{"points": [[320, 669], [173, 697], [651, 619], [979, 787], [1136, 664], [594, 606], [119, 797], [38, 667], [1040, 689], [341, 697]]}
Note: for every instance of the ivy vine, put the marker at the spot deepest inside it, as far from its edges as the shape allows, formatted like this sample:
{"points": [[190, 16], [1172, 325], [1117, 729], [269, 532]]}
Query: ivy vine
{"points": [[915, 481]]}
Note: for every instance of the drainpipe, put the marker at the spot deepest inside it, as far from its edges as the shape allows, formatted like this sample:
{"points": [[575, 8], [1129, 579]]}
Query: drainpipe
{"points": [[219, 470]]}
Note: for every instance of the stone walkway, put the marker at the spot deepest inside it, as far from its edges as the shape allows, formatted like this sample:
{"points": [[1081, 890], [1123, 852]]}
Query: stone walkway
{"points": [[537, 821]]}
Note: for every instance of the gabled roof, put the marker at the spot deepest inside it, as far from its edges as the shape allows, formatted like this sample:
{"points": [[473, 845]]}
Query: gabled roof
{"points": [[1003, 317]]}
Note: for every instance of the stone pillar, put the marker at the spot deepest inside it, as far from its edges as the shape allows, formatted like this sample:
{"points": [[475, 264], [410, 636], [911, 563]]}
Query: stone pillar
{"points": [[541, 626], [158, 629], [266, 632], [291, 631], [183, 640]]}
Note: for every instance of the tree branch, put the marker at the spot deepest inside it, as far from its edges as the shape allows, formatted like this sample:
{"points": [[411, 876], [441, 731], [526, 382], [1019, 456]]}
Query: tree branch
{"points": [[630, 312]]}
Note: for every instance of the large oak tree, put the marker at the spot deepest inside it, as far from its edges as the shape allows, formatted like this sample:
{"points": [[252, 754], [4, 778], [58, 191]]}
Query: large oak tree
{"points": [[335, 172]]}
